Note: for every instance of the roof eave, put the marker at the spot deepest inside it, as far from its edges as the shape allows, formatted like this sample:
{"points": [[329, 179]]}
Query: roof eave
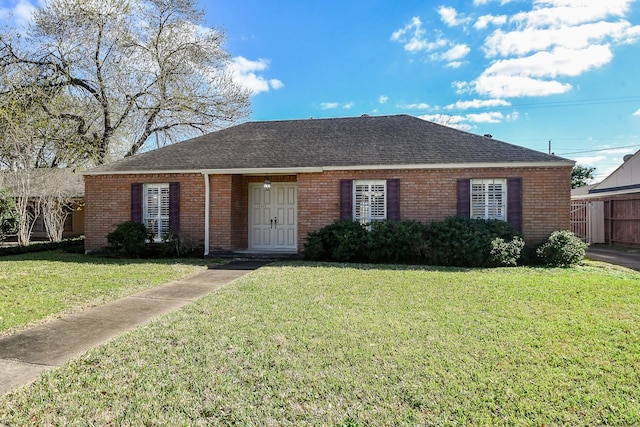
{"points": [[319, 169]]}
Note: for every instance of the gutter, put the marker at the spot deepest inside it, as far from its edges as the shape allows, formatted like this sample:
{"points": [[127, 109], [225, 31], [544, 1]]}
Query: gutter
{"points": [[320, 169]]}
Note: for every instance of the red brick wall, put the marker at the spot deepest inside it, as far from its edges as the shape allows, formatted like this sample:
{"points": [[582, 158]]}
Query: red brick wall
{"points": [[430, 195], [108, 203], [426, 195]]}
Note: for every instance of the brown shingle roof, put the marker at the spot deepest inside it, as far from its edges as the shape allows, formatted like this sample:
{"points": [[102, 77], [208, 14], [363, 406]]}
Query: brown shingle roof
{"points": [[339, 142]]}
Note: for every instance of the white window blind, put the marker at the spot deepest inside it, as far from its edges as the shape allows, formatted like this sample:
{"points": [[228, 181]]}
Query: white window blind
{"points": [[369, 201], [156, 209], [489, 198]]}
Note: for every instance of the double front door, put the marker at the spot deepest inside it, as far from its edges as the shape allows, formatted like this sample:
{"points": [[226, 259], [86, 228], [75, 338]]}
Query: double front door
{"points": [[273, 217]]}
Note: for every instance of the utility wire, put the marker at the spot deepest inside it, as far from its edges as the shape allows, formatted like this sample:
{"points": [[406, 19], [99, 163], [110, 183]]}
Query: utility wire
{"points": [[557, 104], [600, 150]]}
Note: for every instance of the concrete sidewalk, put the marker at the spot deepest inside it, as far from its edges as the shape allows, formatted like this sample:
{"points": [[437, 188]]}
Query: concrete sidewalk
{"points": [[23, 356]]}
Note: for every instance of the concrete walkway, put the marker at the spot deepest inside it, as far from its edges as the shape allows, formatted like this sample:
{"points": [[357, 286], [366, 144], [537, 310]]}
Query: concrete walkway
{"points": [[23, 356]]}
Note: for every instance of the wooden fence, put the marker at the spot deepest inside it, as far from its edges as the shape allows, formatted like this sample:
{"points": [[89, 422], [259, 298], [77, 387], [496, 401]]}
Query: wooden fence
{"points": [[612, 221], [587, 220], [622, 221]]}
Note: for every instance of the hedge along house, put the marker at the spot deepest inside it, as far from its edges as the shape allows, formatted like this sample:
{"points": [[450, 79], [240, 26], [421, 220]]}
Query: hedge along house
{"points": [[263, 186]]}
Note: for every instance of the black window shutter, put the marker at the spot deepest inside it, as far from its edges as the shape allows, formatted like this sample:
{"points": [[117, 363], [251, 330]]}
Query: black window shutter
{"points": [[514, 203], [136, 203], [464, 198], [393, 199], [174, 207], [346, 199]]}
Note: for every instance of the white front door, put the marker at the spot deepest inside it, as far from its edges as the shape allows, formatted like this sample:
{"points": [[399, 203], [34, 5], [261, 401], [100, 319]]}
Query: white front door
{"points": [[273, 217]]}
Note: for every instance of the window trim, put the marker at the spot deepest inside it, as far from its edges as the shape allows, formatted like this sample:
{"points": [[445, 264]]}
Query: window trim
{"points": [[487, 205], [369, 182], [157, 237]]}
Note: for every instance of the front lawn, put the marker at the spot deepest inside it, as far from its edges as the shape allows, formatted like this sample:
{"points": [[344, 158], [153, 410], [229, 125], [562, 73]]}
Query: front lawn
{"points": [[38, 285], [304, 344]]}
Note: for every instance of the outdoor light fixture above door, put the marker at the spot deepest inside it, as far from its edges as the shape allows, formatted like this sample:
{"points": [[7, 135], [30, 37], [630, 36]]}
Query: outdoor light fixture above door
{"points": [[267, 184]]}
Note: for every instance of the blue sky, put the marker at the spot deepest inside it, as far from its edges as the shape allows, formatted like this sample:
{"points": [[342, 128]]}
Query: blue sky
{"points": [[524, 71]]}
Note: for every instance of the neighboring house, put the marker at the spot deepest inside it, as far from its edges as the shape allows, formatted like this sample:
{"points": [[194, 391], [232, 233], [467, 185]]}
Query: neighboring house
{"points": [[263, 186], [609, 211], [44, 182]]}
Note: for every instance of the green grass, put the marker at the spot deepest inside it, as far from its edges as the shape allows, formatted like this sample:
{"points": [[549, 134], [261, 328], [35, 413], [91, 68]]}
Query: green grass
{"points": [[305, 344], [38, 285]]}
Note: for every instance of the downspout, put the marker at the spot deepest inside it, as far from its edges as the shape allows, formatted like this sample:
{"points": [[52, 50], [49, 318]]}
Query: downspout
{"points": [[207, 204]]}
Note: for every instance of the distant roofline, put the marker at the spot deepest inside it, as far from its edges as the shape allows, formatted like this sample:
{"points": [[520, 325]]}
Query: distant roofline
{"points": [[284, 171]]}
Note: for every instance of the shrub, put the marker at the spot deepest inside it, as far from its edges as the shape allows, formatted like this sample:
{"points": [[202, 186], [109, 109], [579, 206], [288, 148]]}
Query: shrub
{"points": [[465, 242], [314, 247], [341, 241], [504, 253], [129, 238], [74, 245], [174, 244], [392, 241], [455, 241], [8, 215], [562, 249]]}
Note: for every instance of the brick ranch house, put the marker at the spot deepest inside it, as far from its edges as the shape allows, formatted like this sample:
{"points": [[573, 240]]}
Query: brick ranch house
{"points": [[263, 186]]}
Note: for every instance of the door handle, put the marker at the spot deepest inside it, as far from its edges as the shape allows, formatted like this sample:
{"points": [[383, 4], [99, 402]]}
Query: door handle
{"points": [[271, 222], [275, 220]]}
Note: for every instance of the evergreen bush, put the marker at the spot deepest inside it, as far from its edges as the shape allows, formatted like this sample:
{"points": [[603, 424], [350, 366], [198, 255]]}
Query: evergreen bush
{"points": [[506, 253], [396, 242], [562, 249], [462, 242], [129, 238], [341, 241], [465, 242]]}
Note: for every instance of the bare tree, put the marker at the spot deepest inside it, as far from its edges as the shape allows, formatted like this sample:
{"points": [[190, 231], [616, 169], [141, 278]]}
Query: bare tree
{"points": [[19, 152], [56, 191], [125, 73]]}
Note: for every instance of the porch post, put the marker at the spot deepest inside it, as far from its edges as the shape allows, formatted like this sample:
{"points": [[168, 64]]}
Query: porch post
{"points": [[207, 202]]}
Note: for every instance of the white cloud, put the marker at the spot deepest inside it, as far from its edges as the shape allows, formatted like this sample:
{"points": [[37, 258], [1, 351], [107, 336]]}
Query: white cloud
{"points": [[532, 52], [457, 52], [637, 113], [558, 62], [464, 122], [20, 13], [588, 161], [537, 74], [533, 39], [451, 17], [334, 105], [329, 105], [489, 117], [483, 2], [413, 37], [457, 122], [484, 21], [246, 73], [561, 13], [416, 106], [500, 86], [477, 103], [383, 99], [276, 84]]}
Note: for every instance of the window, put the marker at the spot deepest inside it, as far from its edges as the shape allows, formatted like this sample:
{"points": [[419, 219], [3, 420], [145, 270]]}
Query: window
{"points": [[488, 199], [369, 201], [156, 209]]}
